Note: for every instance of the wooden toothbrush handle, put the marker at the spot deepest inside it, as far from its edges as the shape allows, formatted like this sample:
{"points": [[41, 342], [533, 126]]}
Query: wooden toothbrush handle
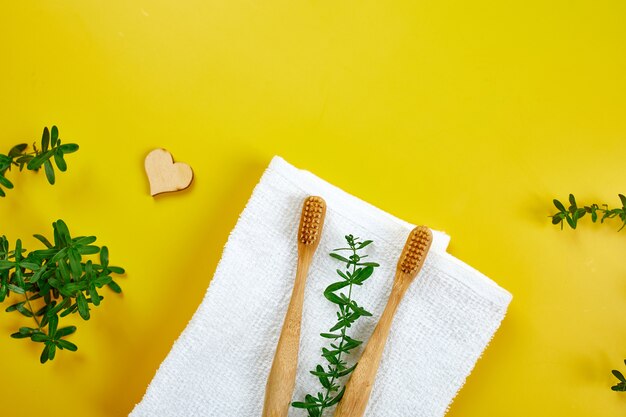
{"points": [[359, 386], [282, 378]]}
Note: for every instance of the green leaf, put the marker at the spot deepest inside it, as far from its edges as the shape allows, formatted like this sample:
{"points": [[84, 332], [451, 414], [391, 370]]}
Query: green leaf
{"points": [[558, 205], [116, 269], [24, 311], [75, 265], [30, 265], [53, 322], [622, 198], [43, 240], [17, 150], [334, 299], [337, 398], [49, 171], [69, 148], [621, 387], [340, 324], [104, 256], [336, 286], [83, 308], [64, 344], [63, 231], [363, 274], [322, 377], [84, 240], [39, 337], [618, 375], [298, 404], [346, 371], [572, 201], [45, 139], [102, 280], [5, 182], [341, 258], [88, 250], [15, 289], [18, 250], [4, 264], [364, 244], [93, 293], [44, 354], [65, 331], [60, 161], [54, 136], [373, 264], [114, 287], [342, 275], [51, 351], [13, 307]]}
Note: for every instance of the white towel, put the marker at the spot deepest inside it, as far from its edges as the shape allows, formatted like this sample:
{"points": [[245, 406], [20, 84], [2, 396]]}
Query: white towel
{"points": [[220, 363]]}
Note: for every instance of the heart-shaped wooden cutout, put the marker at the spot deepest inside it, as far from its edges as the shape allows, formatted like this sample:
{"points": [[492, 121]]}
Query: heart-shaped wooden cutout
{"points": [[164, 174]]}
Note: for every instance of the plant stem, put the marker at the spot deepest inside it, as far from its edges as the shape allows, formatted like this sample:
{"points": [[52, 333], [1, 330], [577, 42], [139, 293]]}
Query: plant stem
{"points": [[30, 307], [343, 337]]}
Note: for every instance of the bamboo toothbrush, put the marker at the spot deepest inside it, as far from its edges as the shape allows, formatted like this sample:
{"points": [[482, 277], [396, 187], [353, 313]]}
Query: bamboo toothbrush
{"points": [[359, 386], [280, 383]]}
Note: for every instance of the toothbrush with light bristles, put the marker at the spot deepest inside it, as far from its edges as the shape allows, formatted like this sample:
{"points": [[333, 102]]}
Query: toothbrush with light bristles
{"points": [[359, 387], [282, 377]]}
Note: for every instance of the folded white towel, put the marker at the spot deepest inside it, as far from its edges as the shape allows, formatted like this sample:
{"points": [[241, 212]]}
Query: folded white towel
{"points": [[220, 363]]}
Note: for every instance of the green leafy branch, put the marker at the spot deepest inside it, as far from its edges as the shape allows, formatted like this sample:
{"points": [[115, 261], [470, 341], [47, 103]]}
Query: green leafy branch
{"points": [[573, 213], [61, 278], [356, 273], [51, 150]]}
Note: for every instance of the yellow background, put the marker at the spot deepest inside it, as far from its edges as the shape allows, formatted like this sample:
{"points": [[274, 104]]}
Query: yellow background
{"points": [[466, 116]]}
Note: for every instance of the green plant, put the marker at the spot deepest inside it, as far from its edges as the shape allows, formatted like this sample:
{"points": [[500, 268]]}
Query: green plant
{"points": [[573, 213], [51, 150], [621, 384], [60, 278], [356, 273]]}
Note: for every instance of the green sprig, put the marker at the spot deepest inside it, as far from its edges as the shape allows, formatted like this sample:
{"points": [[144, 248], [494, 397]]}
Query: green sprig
{"points": [[60, 279], [52, 150], [356, 273], [573, 213]]}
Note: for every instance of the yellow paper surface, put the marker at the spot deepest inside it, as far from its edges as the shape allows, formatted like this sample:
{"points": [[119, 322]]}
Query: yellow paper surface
{"points": [[466, 116]]}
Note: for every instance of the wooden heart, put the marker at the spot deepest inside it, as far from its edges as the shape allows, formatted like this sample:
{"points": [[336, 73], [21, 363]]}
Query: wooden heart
{"points": [[164, 174]]}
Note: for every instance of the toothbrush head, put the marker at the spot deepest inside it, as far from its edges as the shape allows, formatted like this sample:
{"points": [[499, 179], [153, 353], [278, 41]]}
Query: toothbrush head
{"points": [[311, 221], [415, 250]]}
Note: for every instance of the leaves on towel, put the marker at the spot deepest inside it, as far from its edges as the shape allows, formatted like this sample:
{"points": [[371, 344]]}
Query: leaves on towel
{"points": [[51, 150], [53, 283], [340, 293]]}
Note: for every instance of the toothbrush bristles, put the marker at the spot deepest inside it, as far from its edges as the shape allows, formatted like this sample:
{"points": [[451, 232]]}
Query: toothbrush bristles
{"points": [[313, 211], [415, 249]]}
